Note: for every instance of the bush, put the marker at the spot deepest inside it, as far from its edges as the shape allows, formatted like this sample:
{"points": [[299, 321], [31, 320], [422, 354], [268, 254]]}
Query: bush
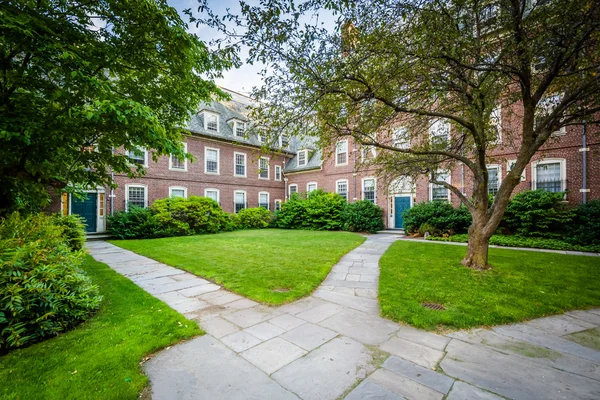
{"points": [[291, 215], [43, 291], [73, 229], [191, 216], [441, 215], [253, 218], [137, 223], [426, 227], [323, 211], [585, 227], [537, 213], [362, 216]]}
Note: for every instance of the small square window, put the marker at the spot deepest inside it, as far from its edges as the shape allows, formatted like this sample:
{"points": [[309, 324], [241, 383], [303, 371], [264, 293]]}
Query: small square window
{"points": [[136, 196], [137, 156]]}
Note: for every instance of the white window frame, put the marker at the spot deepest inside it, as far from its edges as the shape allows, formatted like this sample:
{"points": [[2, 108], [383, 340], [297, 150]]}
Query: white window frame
{"points": [[496, 121], [212, 114], [563, 171], [268, 199], [239, 124], [268, 169], [338, 152], [281, 140], [276, 205], [305, 152], [448, 181], [548, 109], [143, 149], [185, 191], [245, 200], [277, 173], [362, 186], [237, 153], [398, 139], [206, 171], [185, 168], [213, 190], [295, 186], [499, 167], [434, 132], [337, 187], [309, 184], [509, 167], [263, 137], [137, 185]]}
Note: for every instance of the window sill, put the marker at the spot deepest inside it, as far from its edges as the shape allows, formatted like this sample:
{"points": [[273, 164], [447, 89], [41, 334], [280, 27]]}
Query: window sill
{"points": [[341, 165], [178, 169], [239, 176], [211, 173], [264, 179]]}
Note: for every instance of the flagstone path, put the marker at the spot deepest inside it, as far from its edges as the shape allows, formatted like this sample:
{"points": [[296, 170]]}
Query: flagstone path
{"points": [[334, 344]]}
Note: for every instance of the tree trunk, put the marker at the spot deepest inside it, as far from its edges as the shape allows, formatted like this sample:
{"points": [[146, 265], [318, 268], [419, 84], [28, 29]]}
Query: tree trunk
{"points": [[477, 251]]}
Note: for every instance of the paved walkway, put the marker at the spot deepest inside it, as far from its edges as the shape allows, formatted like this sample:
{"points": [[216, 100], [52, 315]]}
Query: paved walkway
{"points": [[333, 344]]}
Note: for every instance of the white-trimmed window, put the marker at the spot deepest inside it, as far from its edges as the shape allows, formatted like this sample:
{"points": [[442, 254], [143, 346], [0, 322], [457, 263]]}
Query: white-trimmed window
{"points": [[369, 191], [212, 194], [545, 107], [263, 137], [311, 187], [211, 121], [400, 138], [284, 140], [510, 164], [437, 191], [277, 205], [239, 200], [263, 168], [278, 172], [178, 191], [341, 188], [496, 125], [136, 195], [302, 157], [341, 153], [369, 152], [139, 156], [239, 164], [211, 160], [175, 164], [439, 132], [263, 200], [549, 174], [494, 178], [239, 129], [293, 189]]}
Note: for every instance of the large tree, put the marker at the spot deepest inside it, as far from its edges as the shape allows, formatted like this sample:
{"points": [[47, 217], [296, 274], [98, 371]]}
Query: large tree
{"points": [[425, 64], [79, 79]]}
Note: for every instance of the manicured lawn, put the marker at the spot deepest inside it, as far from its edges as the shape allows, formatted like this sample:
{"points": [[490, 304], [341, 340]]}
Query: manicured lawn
{"points": [[100, 358], [271, 265], [522, 285]]}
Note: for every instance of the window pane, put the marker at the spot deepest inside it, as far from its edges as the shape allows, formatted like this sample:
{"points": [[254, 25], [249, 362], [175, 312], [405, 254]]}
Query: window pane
{"points": [[311, 187], [177, 193], [277, 205], [302, 158], [212, 123], [277, 173], [439, 132], [342, 189], [369, 190], [240, 164], [136, 196], [493, 180], [285, 140], [239, 129], [137, 156], [212, 194], [293, 188], [176, 163], [548, 177], [240, 201], [263, 200], [264, 168], [212, 161]]}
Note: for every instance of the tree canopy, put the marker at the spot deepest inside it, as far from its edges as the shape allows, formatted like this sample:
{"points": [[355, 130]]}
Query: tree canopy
{"points": [[79, 79], [424, 80]]}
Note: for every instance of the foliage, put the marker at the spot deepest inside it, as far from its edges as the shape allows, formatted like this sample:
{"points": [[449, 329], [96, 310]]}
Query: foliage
{"points": [[253, 218], [362, 216], [192, 216], [79, 75], [537, 213], [585, 227], [43, 291], [291, 214], [522, 241], [271, 266], [522, 285], [428, 228], [440, 215], [318, 211], [136, 223], [73, 230], [101, 357]]}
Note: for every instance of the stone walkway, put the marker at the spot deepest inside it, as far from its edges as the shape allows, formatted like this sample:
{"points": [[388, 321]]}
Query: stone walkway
{"points": [[333, 344]]}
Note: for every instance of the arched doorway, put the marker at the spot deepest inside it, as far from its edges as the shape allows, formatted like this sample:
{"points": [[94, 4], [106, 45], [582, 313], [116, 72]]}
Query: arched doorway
{"points": [[401, 197]]}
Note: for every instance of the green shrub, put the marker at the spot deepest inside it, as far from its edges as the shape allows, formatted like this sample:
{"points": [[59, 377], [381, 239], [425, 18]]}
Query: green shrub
{"points": [[73, 229], [323, 211], [42, 290], [537, 213], [191, 216], [291, 215], [137, 223], [428, 228], [362, 216], [253, 218], [441, 215], [585, 227]]}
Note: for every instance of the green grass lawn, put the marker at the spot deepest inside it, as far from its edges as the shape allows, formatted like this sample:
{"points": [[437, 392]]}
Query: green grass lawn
{"points": [[522, 285], [271, 266], [100, 358]]}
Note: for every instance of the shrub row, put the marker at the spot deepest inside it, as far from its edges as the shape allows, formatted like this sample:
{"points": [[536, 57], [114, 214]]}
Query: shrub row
{"points": [[521, 241], [42, 290]]}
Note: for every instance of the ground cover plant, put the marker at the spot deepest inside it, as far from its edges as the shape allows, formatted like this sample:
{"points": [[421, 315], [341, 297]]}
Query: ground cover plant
{"points": [[522, 285], [522, 241], [270, 265], [100, 358]]}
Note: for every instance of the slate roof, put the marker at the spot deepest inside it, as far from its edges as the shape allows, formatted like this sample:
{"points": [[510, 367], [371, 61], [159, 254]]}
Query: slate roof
{"points": [[315, 161]]}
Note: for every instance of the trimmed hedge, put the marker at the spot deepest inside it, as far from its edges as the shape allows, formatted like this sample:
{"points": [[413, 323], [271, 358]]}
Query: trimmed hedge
{"points": [[439, 217], [363, 216], [192, 216], [252, 218], [137, 223]]}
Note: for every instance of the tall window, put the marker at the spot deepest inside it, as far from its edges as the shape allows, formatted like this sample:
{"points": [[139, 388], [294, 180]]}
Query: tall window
{"points": [[293, 189], [240, 164], [545, 107], [493, 179], [302, 158], [278, 172], [400, 138], [137, 156], [341, 188], [369, 189], [263, 168], [341, 153], [212, 194], [439, 192], [136, 196], [439, 132], [285, 140], [211, 160], [177, 164], [212, 122], [496, 125], [277, 205], [239, 199], [549, 177], [311, 187], [263, 200], [239, 128], [176, 191]]}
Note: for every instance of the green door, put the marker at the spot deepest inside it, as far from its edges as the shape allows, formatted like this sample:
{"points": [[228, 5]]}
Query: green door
{"points": [[86, 208], [401, 203]]}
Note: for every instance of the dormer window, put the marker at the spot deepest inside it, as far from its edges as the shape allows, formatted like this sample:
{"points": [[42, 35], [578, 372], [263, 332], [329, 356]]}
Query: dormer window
{"points": [[262, 137], [302, 157], [211, 122], [285, 140], [239, 128]]}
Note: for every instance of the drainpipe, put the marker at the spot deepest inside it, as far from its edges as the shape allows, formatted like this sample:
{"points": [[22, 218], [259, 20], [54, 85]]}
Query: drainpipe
{"points": [[354, 174], [584, 151], [285, 188]]}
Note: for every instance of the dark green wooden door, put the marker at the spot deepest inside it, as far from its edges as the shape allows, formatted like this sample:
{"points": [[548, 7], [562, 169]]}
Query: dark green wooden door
{"points": [[87, 209], [401, 203]]}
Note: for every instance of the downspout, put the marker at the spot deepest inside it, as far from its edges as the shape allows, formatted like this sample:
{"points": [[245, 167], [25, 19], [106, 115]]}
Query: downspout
{"points": [[584, 151], [354, 173]]}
